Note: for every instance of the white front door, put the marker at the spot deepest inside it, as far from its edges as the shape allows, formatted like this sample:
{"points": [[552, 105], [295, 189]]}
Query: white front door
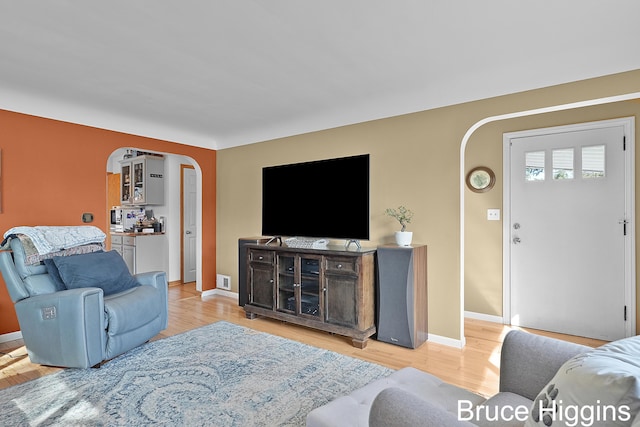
{"points": [[189, 225], [569, 231]]}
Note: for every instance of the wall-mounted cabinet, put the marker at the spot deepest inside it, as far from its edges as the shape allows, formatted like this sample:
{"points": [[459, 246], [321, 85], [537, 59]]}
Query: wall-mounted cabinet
{"points": [[142, 181]]}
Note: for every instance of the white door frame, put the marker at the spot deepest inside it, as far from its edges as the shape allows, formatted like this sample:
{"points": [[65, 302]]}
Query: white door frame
{"points": [[628, 124], [184, 166], [462, 172]]}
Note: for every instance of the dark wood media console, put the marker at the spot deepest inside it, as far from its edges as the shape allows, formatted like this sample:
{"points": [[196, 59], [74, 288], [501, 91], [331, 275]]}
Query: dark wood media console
{"points": [[329, 289]]}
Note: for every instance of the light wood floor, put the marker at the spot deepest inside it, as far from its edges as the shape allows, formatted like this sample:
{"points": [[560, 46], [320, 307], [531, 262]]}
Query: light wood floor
{"points": [[476, 367]]}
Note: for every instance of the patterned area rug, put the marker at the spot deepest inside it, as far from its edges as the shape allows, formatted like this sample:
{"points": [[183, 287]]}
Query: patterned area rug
{"points": [[217, 375]]}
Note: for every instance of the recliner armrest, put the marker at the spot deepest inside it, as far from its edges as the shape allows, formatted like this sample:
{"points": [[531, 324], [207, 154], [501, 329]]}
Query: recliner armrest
{"points": [[157, 279], [65, 328]]}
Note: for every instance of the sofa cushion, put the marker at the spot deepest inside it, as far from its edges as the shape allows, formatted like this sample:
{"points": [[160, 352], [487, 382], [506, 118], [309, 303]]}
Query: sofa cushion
{"points": [[505, 409], [431, 388], [529, 361], [353, 410], [600, 387], [397, 407], [105, 270]]}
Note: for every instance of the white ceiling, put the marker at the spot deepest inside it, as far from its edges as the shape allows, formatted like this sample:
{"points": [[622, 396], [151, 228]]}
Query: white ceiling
{"points": [[221, 73]]}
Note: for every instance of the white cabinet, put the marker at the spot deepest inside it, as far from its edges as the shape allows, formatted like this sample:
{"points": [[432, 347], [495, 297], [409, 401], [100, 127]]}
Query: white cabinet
{"points": [[142, 181], [142, 252]]}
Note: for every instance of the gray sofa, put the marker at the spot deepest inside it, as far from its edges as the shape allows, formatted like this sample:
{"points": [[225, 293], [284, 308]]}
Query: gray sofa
{"points": [[529, 372]]}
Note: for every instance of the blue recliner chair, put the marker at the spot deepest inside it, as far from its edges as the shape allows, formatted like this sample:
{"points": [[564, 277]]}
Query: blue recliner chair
{"points": [[81, 328]]}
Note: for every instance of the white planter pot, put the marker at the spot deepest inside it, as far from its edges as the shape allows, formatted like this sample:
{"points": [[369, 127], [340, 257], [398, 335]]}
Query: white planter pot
{"points": [[403, 238]]}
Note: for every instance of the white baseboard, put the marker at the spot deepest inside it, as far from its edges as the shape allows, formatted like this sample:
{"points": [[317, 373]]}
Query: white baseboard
{"points": [[485, 317], [447, 341], [462, 342], [438, 339], [221, 292], [431, 338], [11, 336]]}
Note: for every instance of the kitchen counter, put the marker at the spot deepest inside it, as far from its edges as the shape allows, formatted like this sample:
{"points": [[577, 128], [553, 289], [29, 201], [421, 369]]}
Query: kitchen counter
{"points": [[135, 233], [142, 252]]}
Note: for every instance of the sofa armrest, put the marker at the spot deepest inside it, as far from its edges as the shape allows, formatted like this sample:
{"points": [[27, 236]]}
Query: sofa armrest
{"points": [[65, 328], [529, 361], [398, 408], [157, 279]]}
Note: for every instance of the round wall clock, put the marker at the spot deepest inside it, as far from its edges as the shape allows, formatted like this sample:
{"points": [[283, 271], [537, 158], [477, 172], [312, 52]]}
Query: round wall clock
{"points": [[481, 179]]}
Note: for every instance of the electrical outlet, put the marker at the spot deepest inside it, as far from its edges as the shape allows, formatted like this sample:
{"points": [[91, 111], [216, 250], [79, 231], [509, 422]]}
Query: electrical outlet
{"points": [[493, 214], [223, 282]]}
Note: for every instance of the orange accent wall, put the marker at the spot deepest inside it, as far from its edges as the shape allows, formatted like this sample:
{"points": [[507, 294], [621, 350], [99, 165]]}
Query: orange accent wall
{"points": [[53, 171]]}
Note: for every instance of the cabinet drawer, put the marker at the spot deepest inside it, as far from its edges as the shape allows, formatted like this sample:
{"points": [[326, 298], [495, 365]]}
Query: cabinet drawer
{"points": [[261, 256], [341, 265], [129, 240], [116, 239]]}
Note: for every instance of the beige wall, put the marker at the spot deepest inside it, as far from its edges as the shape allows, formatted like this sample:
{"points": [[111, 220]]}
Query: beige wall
{"points": [[483, 239], [415, 161]]}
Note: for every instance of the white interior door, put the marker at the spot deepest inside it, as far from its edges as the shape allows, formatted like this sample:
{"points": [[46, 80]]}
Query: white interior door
{"points": [[569, 225], [189, 225]]}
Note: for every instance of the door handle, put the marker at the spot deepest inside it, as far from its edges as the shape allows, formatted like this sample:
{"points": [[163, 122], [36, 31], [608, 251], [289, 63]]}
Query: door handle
{"points": [[516, 240], [188, 232]]}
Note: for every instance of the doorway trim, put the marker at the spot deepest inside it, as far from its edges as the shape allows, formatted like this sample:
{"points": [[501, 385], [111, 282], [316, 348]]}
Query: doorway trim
{"points": [[183, 166], [628, 123], [462, 176]]}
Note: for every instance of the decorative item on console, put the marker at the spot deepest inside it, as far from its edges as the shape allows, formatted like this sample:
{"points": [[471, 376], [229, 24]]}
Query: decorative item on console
{"points": [[403, 216]]}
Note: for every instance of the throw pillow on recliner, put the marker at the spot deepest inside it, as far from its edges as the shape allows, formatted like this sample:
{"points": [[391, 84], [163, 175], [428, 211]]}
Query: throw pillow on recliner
{"points": [[105, 270], [54, 274]]}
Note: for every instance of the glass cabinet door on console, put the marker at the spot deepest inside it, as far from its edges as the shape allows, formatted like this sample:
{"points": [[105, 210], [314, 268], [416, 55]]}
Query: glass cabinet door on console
{"points": [[261, 278], [341, 291], [298, 285]]}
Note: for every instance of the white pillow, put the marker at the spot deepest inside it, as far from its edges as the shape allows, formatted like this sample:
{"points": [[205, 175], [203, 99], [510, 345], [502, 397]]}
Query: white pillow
{"points": [[598, 388]]}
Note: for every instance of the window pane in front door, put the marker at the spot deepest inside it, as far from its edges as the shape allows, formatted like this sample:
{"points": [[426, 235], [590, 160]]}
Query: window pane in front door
{"points": [[593, 161], [534, 166], [563, 164]]}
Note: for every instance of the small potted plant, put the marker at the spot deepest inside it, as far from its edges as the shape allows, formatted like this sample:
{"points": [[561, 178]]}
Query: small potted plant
{"points": [[403, 216]]}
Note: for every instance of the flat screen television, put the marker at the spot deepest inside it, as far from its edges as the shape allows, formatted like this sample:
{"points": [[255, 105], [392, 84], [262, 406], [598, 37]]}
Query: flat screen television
{"points": [[318, 199]]}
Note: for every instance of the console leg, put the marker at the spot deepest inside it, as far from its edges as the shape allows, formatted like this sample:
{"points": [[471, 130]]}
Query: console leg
{"points": [[358, 343], [250, 315]]}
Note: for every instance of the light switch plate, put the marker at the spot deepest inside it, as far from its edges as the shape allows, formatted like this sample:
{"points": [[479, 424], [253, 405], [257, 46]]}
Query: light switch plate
{"points": [[493, 214], [87, 217]]}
